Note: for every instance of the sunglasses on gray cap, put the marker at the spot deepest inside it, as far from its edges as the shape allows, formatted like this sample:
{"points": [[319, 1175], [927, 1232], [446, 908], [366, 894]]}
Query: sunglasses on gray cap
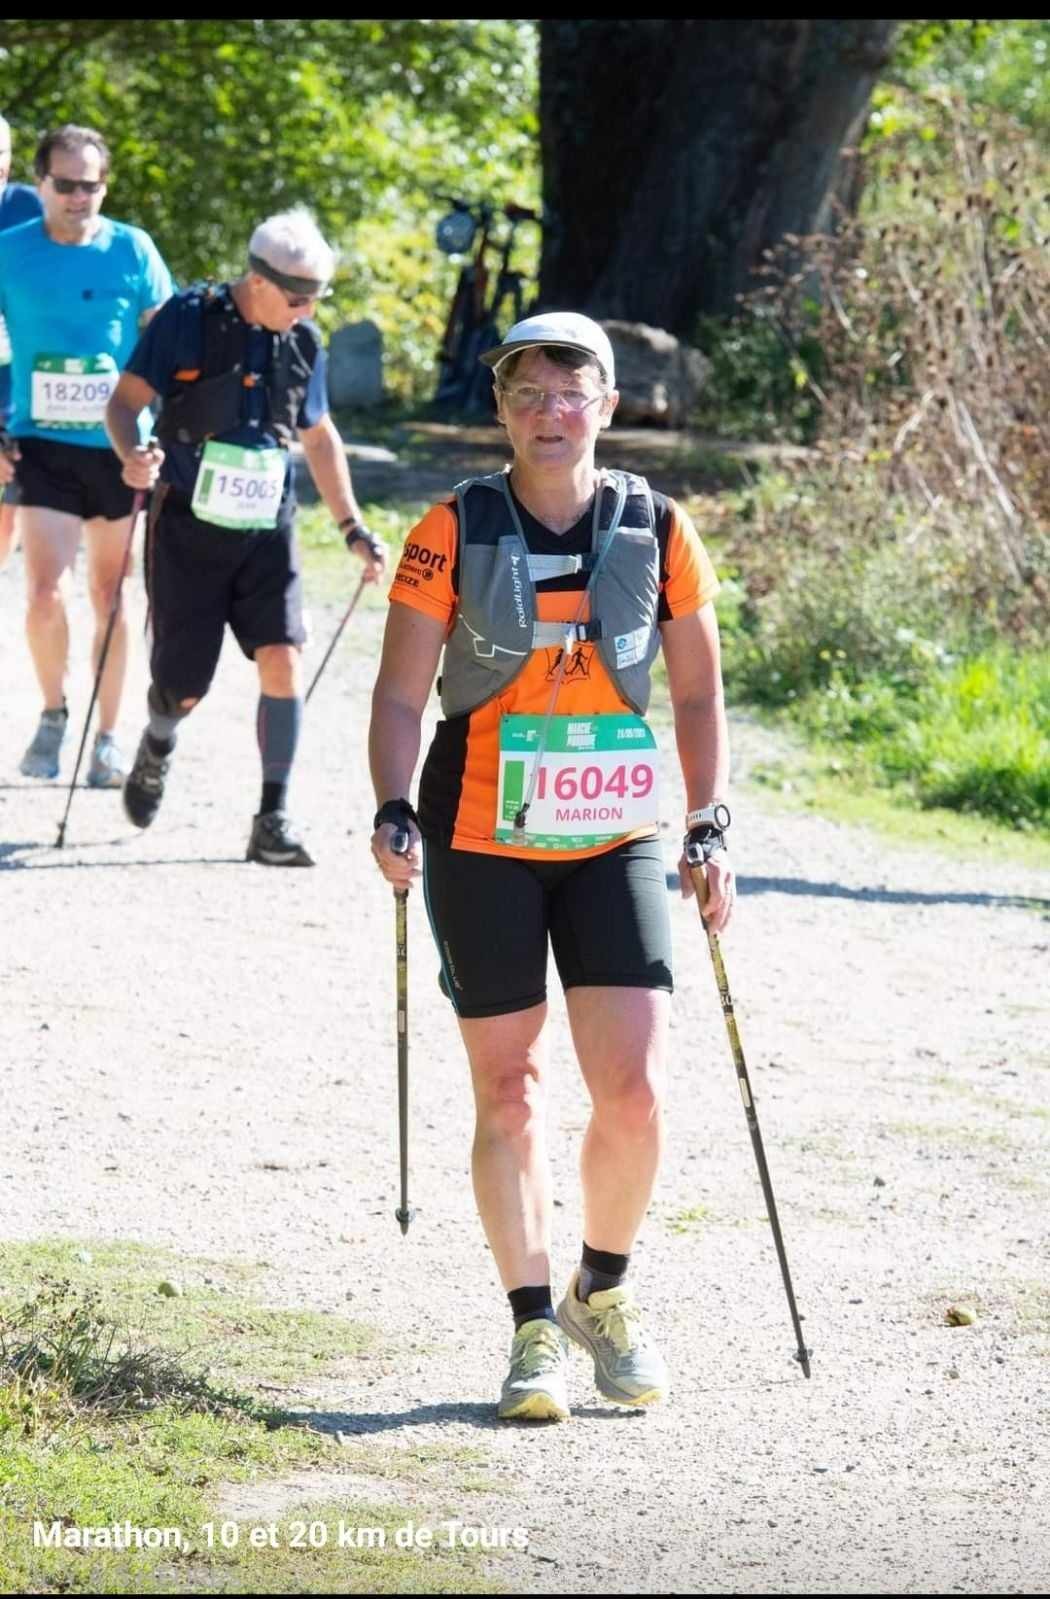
{"points": [[308, 288]]}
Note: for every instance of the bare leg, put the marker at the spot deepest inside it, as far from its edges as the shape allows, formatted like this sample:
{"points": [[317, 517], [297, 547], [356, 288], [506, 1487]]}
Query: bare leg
{"points": [[508, 1063], [621, 1042], [280, 670], [7, 532], [50, 540], [106, 543]]}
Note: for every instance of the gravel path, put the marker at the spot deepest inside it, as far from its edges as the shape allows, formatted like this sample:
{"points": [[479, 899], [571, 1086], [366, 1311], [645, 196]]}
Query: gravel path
{"points": [[200, 1054]]}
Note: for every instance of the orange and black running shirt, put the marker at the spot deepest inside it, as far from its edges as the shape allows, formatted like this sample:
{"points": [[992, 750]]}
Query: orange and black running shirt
{"points": [[458, 785]]}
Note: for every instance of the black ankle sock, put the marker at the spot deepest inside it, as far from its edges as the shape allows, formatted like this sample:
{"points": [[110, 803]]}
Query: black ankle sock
{"points": [[159, 746], [274, 796], [600, 1269], [531, 1304]]}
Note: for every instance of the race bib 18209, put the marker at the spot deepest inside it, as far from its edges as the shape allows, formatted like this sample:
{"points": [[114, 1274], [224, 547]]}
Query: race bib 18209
{"points": [[72, 391], [598, 780]]}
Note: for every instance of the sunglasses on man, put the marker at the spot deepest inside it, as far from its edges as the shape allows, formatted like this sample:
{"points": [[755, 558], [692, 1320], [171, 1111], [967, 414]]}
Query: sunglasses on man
{"points": [[71, 185]]}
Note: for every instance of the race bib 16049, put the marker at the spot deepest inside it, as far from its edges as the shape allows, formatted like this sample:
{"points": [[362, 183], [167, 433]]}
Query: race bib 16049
{"points": [[598, 780]]}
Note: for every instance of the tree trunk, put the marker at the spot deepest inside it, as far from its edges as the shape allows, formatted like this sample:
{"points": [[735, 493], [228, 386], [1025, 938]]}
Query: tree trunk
{"points": [[674, 153]]}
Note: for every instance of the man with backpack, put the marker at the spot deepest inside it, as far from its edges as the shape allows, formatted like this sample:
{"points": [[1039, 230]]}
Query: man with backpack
{"points": [[239, 371]]}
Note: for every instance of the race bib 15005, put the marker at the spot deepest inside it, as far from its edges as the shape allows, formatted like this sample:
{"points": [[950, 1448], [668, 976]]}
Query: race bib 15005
{"points": [[598, 779], [239, 488]]}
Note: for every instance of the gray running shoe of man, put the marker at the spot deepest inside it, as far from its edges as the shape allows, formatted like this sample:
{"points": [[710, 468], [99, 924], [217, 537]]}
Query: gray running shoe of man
{"points": [[628, 1369], [41, 758], [274, 842], [107, 763]]}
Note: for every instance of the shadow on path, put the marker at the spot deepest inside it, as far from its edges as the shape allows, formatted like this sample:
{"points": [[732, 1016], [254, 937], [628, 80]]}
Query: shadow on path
{"points": [[352, 1423], [802, 887], [10, 860]]}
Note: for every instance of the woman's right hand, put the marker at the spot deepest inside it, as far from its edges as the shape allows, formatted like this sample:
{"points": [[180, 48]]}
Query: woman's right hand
{"points": [[398, 867]]}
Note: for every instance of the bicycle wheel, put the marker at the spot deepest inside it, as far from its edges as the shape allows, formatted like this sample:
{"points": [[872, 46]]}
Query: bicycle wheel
{"points": [[461, 324]]}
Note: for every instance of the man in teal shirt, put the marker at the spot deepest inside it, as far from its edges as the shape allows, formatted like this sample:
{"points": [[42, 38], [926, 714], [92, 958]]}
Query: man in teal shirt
{"points": [[75, 289]]}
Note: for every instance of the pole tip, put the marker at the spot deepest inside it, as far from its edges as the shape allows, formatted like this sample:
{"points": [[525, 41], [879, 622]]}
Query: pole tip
{"points": [[802, 1356], [404, 1218], [61, 839]]}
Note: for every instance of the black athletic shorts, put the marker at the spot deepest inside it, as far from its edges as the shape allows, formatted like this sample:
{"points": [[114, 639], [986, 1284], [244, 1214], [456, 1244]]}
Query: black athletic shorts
{"points": [[491, 915], [66, 477], [200, 577]]}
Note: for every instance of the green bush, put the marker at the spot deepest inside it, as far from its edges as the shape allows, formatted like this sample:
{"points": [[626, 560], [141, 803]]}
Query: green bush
{"points": [[980, 739]]}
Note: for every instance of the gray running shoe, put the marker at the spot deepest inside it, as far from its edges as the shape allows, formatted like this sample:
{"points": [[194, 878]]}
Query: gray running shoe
{"points": [[107, 763], [274, 842], [627, 1367], [41, 758], [144, 784], [535, 1388]]}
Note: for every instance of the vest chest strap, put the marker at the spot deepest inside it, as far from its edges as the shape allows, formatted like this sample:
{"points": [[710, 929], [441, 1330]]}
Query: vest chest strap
{"points": [[545, 634], [542, 567]]}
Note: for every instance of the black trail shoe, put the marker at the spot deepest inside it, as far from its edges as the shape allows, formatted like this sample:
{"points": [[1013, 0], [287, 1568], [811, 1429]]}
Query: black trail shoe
{"points": [[144, 785], [274, 842]]}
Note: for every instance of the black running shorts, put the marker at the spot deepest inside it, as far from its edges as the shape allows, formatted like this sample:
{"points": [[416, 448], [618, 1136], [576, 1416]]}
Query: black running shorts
{"points": [[200, 578], [491, 915], [79, 481]]}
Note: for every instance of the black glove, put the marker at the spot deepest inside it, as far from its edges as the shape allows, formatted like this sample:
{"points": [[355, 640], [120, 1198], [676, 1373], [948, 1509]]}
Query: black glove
{"points": [[706, 834], [352, 531]]}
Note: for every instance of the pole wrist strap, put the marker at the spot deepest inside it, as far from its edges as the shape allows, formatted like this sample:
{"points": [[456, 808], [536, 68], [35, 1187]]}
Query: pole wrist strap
{"points": [[398, 812]]}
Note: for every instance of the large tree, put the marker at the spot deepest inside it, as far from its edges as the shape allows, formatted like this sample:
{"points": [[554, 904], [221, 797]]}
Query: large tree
{"points": [[674, 153]]}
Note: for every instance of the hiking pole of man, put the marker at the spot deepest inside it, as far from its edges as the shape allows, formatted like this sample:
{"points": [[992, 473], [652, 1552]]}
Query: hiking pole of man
{"points": [[76, 288], [238, 370], [18, 203]]}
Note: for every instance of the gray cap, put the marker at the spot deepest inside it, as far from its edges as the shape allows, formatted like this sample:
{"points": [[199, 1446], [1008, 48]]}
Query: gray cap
{"points": [[566, 329]]}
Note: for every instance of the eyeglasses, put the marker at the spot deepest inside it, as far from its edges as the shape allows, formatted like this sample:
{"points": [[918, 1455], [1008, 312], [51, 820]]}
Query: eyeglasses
{"points": [[296, 302], [526, 397], [71, 185]]}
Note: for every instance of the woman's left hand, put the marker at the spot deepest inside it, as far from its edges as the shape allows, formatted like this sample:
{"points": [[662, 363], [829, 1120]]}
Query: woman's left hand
{"points": [[717, 907]]}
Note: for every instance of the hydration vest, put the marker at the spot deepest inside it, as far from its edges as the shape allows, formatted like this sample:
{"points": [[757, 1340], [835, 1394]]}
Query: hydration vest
{"points": [[496, 626], [209, 393]]}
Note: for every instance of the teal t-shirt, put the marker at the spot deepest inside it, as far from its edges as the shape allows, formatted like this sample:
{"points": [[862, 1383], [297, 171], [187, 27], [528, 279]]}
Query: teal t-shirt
{"points": [[72, 313]]}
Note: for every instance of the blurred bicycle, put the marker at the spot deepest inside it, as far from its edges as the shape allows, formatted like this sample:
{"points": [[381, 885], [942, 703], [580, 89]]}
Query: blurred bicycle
{"points": [[489, 297]]}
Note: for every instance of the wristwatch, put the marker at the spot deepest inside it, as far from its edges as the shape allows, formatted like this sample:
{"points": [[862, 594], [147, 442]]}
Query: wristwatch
{"points": [[715, 815]]}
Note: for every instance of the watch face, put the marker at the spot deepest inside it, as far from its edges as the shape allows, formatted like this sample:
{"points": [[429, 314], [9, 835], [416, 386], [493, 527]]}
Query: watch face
{"points": [[716, 816]]}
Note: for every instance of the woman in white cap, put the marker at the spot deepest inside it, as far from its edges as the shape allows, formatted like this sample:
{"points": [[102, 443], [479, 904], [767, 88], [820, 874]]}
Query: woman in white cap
{"points": [[550, 587]]}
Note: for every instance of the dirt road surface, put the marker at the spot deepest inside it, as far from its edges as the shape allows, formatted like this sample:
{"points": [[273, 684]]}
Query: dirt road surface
{"points": [[198, 1053]]}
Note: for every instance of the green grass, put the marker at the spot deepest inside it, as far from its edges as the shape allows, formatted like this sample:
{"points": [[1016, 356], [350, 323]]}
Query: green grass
{"points": [[324, 548], [690, 1219], [826, 778], [118, 1404], [214, 1316]]}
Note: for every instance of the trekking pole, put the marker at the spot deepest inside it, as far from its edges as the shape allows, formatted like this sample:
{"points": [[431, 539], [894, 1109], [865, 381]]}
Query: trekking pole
{"points": [[335, 640], [136, 506], [399, 844], [694, 854]]}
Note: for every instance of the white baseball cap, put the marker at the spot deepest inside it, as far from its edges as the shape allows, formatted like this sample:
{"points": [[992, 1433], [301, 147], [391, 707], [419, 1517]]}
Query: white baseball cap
{"points": [[566, 329]]}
